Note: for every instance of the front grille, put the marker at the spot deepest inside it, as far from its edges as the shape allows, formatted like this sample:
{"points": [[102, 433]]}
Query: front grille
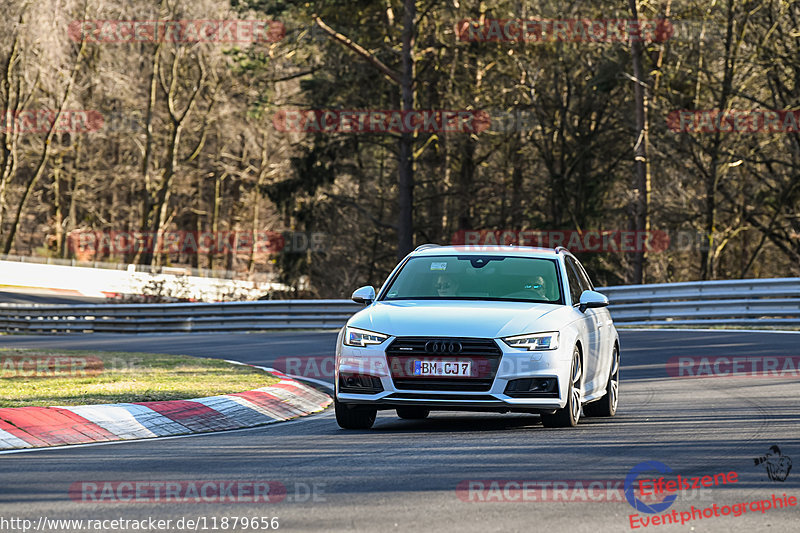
{"points": [[431, 397], [484, 354], [450, 384]]}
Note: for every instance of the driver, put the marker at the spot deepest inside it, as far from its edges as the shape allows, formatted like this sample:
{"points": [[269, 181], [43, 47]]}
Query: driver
{"points": [[446, 285], [537, 286]]}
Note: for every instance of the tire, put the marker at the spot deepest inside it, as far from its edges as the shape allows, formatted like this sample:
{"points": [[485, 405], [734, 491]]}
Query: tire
{"points": [[607, 405], [569, 415], [413, 413], [355, 417]]}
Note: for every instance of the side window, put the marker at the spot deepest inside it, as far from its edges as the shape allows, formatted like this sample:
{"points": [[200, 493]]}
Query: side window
{"points": [[575, 289], [585, 280]]}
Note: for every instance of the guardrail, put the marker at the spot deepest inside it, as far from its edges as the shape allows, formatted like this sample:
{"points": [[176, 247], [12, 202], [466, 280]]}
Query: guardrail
{"points": [[773, 302], [150, 318], [749, 302]]}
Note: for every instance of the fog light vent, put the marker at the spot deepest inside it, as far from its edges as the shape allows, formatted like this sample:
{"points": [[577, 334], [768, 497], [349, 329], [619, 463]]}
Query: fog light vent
{"points": [[533, 388], [359, 383]]}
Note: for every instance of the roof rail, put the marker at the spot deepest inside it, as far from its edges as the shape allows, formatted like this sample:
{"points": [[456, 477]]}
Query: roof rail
{"points": [[560, 249], [425, 247]]}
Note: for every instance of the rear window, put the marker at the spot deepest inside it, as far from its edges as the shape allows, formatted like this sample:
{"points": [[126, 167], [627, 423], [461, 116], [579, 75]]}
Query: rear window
{"points": [[472, 277]]}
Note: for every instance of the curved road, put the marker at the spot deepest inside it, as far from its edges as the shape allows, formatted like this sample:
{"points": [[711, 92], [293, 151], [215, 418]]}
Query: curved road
{"points": [[403, 475]]}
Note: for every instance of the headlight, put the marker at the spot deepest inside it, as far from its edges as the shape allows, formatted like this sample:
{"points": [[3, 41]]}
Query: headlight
{"points": [[362, 337], [534, 341]]}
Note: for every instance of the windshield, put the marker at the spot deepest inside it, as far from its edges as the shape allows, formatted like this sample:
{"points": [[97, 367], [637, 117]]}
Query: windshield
{"points": [[473, 277]]}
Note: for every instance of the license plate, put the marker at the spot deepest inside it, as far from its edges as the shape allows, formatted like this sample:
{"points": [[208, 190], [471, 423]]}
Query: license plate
{"points": [[443, 368]]}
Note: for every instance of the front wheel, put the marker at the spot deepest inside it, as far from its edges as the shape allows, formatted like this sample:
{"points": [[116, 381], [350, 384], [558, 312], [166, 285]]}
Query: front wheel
{"points": [[354, 417], [607, 405], [568, 415]]}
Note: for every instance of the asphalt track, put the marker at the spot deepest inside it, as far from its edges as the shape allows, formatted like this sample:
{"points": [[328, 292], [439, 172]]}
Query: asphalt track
{"points": [[402, 475]]}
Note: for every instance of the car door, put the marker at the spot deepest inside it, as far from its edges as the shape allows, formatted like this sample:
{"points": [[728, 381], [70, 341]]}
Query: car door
{"points": [[594, 322], [606, 337]]}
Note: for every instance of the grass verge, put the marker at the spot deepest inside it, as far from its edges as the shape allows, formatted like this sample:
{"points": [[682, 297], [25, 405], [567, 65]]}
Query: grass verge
{"points": [[66, 377]]}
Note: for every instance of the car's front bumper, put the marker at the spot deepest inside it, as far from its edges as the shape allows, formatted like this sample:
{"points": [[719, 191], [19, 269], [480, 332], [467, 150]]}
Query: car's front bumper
{"points": [[514, 364]]}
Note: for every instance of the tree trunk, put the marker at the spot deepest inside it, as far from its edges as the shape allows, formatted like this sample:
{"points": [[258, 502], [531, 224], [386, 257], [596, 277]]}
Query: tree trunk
{"points": [[466, 178], [58, 223], [707, 259], [45, 154], [72, 215], [215, 218], [641, 182], [9, 147], [146, 200], [405, 182], [256, 212], [162, 196]]}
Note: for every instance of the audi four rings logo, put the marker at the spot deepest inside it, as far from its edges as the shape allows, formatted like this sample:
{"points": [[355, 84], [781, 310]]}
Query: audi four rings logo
{"points": [[443, 347]]}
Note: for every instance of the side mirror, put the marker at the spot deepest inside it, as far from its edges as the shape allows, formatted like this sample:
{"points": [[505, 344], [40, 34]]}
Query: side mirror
{"points": [[592, 299], [364, 295]]}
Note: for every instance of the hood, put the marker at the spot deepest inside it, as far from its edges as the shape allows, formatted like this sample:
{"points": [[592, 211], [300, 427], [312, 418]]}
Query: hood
{"points": [[459, 318]]}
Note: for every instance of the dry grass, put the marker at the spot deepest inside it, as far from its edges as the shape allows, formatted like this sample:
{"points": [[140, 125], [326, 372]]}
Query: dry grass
{"points": [[51, 378]]}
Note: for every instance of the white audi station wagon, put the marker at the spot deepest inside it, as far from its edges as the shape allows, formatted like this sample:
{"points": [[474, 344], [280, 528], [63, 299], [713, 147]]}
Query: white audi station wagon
{"points": [[471, 328]]}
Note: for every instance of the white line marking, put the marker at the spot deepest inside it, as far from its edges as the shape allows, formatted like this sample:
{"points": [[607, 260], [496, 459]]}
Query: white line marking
{"points": [[115, 419]]}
